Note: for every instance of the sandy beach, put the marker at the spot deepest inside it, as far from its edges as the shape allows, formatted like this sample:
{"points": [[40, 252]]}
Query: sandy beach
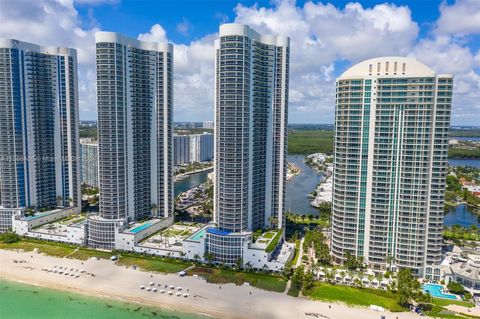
{"points": [[225, 301]]}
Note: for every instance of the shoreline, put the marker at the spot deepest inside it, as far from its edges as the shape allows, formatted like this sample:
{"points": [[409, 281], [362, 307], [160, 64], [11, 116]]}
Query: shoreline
{"points": [[225, 301], [106, 297], [298, 171], [180, 176]]}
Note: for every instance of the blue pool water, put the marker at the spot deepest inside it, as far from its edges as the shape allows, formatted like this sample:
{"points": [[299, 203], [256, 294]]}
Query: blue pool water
{"points": [[436, 291], [197, 236], [38, 215], [140, 228]]}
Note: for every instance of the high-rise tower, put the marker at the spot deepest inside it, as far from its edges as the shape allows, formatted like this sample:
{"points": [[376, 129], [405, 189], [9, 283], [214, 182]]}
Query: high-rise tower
{"points": [[39, 148], [392, 121], [251, 107], [135, 100]]}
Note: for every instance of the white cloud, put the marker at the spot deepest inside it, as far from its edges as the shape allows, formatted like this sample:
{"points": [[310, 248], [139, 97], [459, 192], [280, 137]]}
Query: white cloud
{"points": [[460, 18], [193, 75], [184, 27], [444, 55], [96, 2], [55, 23], [325, 39], [322, 34], [156, 34]]}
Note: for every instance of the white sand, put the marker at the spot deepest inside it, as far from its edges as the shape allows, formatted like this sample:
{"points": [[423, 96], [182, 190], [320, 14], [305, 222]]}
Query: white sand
{"points": [[118, 282]]}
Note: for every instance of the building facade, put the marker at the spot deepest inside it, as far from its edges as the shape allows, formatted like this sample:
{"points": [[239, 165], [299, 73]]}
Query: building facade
{"points": [[192, 148], [181, 148], [89, 162], [208, 124], [201, 147], [251, 107], [39, 149], [135, 132], [392, 122]]}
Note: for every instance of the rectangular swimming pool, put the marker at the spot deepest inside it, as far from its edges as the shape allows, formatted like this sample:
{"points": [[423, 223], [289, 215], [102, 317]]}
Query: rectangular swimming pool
{"points": [[199, 235], [140, 228], [437, 291]]}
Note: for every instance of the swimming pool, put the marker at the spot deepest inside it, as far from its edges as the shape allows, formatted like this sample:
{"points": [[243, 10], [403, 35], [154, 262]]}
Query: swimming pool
{"points": [[436, 291], [140, 228], [199, 235]]}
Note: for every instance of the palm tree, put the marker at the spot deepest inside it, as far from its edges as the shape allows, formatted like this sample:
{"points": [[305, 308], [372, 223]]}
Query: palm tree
{"points": [[370, 278], [209, 257], [455, 228], [265, 267], [196, 257], [239, 263], [329, 275], [473, 229], [390, 259]]}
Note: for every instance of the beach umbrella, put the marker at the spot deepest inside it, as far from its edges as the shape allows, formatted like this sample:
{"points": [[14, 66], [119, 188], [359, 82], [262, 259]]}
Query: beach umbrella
{"points": [[152, 283], [142, 287]]}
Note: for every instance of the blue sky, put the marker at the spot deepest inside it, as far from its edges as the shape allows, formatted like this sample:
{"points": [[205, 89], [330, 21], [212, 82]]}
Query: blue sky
{"points": [[327, 37]]}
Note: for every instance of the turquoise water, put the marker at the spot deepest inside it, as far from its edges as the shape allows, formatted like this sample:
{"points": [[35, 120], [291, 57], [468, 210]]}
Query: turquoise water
{"points": [[38, 215], [197, 236], [140, 228], [21, 301], [436, 291]]}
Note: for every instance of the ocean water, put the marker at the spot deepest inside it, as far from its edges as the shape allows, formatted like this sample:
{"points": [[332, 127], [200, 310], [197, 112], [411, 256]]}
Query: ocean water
{"points": [[22, 301]]}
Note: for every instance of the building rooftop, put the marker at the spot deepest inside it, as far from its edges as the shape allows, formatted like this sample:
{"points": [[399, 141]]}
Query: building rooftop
{"points": [[389, 66]]}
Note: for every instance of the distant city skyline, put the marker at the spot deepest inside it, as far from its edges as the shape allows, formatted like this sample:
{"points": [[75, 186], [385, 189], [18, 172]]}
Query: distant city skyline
{"points": [[327, 38]]}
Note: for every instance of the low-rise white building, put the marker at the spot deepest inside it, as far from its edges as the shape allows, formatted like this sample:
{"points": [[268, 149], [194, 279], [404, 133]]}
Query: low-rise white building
{"points": [[45, 226]]}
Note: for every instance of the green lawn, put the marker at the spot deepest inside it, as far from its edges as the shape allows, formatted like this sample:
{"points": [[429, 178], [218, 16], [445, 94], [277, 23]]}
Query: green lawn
{"points": [[156, 264], [224, 276], [436, 312], [355, 296], [445, 302], [48, 248], [85, 253]]}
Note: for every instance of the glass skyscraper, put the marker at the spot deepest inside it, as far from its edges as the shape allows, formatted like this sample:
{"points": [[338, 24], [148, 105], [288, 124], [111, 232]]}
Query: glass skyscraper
{"points": [[39, 148], [251, 107], [135, 100], [89, 162], [392, 122]]}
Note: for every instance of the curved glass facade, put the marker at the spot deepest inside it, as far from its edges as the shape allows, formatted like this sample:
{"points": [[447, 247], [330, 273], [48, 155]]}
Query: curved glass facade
{"points": [[391, 148]]}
